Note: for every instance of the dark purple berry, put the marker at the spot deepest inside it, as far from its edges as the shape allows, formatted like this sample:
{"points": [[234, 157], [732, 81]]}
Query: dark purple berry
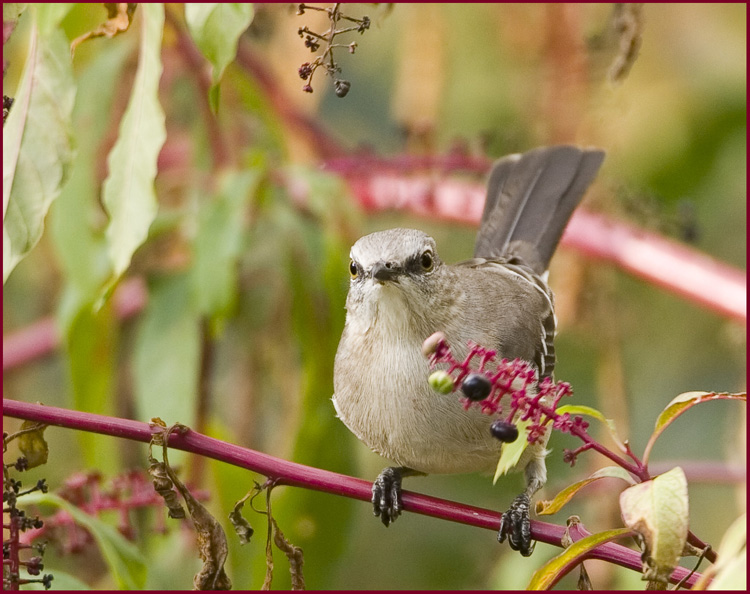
{"points": [[307, 89], [476, 386], [505, 432]]}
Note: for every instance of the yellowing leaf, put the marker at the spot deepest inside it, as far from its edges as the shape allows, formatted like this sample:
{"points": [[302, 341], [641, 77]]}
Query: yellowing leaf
{"points": [[679, 405], [548, 574], [32, 443], [512, 452], [545, 508], [658, 511]]}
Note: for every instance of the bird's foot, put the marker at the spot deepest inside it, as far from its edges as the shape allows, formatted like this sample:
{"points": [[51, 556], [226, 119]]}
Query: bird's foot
{"points": [[515, 524], [386, 495]]}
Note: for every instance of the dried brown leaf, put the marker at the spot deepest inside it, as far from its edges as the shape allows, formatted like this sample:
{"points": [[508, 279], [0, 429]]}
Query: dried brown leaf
{"points": [[119, 17], [212, 540]]}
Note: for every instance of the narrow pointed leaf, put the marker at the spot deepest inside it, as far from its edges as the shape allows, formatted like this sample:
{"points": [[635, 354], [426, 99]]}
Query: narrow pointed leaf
{"points": [[128, 193], [545, 508], [551, 572], [679, 405]]}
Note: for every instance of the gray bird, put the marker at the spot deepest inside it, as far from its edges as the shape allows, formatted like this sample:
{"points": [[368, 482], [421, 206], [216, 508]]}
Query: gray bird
{"points": [[401, 293]]}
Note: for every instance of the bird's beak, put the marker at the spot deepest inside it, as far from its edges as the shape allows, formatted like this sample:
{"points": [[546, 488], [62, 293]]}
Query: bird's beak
{"points": [[385, 271]]}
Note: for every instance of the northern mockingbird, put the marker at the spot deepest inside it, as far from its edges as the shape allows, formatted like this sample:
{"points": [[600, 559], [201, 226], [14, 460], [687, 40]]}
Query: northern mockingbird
{"points": [[401, 293]]}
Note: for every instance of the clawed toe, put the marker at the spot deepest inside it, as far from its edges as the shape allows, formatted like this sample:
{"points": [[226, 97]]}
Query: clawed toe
{"points": [[386, 495], [515, 524]]}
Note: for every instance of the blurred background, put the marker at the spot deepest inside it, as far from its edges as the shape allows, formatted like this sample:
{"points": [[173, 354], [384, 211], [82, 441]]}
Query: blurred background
{"points": [[240, 285]]}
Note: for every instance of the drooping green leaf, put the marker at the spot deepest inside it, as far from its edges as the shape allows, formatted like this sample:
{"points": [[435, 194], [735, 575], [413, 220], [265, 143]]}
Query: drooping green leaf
{"points": [[548, 574], [579, 409], [37, 143], [679, 405], [512, 452], [80, 244], [128, 192], [545, 508], [658, 511], [218, 244], [123, 558], [167, 353], [216, 29]]}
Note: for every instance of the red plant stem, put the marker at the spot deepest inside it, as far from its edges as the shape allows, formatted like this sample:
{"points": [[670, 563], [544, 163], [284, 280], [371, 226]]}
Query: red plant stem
{"points": [[13, 560], [666, 263], [41, 337], [283, 472]]}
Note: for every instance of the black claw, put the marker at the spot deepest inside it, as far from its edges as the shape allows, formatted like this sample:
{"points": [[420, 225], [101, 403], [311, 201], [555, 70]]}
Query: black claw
{"points": [[386, 495], [516, 525]]}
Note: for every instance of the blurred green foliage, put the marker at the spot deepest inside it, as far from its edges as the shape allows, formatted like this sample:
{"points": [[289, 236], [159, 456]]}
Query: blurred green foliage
{"points": [[238, 266]]}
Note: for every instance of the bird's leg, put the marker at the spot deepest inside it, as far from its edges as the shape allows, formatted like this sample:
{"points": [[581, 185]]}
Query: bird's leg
{"points": [[386, 492], [516, 522]]}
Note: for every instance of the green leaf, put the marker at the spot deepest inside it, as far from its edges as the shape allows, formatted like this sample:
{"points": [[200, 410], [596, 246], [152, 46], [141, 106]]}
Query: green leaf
{"points": [[218, 244], [216, 29], [167, 353], [37, 143], [546, 508], [80, 245], [128, 192], [548, 574], [658, 511], [579, 409], [126, 563], [512, 452], [91, 340], [679, 405]]}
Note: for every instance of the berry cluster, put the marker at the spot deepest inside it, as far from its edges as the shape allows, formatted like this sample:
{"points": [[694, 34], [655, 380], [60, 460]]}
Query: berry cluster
{"points": [[313, 41], [486, 382]]}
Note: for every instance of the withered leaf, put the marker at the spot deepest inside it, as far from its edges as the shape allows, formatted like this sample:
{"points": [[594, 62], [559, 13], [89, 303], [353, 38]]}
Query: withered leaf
{"points": [[119, 17], [241, 525], [212, 540]]}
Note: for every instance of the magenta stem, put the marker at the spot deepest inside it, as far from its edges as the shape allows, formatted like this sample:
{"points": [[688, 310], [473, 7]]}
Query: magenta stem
{"points": [[283, 472]]}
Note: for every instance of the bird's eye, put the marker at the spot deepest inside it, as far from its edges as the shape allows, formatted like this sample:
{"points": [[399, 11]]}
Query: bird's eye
{"points": [[353, 268], [426, 261]]}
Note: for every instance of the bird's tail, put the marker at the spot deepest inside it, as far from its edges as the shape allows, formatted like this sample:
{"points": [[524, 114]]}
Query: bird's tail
{"points": [[530, 198]]}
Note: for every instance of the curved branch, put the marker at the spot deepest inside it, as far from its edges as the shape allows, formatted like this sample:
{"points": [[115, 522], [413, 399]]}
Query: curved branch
{"points": [[284, 472]]}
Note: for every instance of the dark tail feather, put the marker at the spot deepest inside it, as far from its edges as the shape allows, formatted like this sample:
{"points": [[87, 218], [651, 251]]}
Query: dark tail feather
{"points": [[530, 198]]}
